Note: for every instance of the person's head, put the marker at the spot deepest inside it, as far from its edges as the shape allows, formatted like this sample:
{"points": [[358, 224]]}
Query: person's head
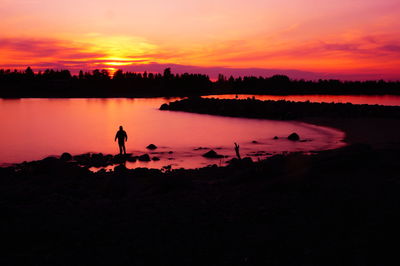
{"points": [[120, 128]]}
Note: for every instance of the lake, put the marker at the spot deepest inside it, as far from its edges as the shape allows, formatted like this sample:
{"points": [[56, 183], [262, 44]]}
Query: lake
{"points": [[33, 129]]}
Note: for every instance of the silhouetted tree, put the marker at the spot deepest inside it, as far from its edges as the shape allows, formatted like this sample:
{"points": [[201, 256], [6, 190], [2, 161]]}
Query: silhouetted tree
{"points": [[98, 83], [29, 73], [167, 73], [118, 75]]}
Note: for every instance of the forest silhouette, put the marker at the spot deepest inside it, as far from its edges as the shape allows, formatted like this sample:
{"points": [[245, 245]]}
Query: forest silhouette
{"points": [[100, 83]]}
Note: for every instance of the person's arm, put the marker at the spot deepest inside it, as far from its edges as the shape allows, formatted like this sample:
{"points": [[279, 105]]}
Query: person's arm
{"points": [[126, 137], [116, 135]]}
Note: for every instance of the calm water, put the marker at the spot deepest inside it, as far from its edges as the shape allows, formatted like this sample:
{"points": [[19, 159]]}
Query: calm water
{"points": [[36, 128], [388, 100]]}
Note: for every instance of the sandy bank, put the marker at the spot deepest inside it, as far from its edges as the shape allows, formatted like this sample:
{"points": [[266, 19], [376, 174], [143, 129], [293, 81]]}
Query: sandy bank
{"points": [[377, 132]]}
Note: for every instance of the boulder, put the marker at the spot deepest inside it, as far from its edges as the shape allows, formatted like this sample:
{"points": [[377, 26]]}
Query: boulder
{"points": [[120, 168], [82, 159], [98, 159], [151, 147], [66, 157], [212, 154], [119, 158], [164, 107], [294, 137], [247, 161], [49, 160], [234, 162], [144, 158], [132, 159], [155, 158], [276, 137]]}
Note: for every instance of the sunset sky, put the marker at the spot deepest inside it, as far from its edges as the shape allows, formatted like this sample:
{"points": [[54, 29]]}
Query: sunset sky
{"points": [[347, 39]]}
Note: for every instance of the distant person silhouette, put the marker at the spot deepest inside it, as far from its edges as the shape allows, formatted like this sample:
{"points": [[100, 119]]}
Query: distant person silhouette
{"points": [[122, 137]]}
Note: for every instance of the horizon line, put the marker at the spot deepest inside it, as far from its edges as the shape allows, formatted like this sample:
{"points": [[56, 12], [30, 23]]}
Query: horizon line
{"points": [[214, 72]]}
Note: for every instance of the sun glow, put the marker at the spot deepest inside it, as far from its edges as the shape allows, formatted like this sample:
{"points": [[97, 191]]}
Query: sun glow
{"points": [[111, 70], [118, 63], [121, 48]]}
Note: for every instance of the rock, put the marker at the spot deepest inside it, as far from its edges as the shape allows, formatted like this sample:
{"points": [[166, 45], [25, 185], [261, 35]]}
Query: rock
{"points": [[294, 137], [166, 168], [120, 168], [164, 107], [51, 164], [212, 154], [170, 152], [155, 158], [233, 162], [66, 157], [151, 147], [247, 161], [49, 160], [254, 142], [108, 157], [97, 156], [119, 158], [131, 159], [82, 159], [97, 159], [276, 137], [144, 158]]}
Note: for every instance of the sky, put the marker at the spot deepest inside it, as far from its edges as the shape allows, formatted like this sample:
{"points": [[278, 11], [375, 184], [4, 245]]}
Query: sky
{"points": [[345, 39]]}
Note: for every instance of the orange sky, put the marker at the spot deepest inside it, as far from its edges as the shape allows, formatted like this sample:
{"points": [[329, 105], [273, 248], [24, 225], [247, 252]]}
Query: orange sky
{"points": [[346, 39]]}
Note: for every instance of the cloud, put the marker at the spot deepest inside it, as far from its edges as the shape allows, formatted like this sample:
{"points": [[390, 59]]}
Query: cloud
{"points": [[358, 58], [229, 58], [31, 48], [395, 48], [54, 53]]}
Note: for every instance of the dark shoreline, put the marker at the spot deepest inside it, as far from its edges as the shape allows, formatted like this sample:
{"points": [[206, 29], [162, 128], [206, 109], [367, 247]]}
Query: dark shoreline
{"points": [[337, 207], [99, 83], [374, 125]]}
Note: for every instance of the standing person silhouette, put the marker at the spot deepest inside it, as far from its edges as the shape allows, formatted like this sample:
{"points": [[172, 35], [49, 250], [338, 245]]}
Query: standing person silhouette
{"points": [[122, 137]]}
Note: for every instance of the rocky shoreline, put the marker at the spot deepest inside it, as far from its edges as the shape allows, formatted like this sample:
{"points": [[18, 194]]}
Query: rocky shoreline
{"points": [[336, 207]]}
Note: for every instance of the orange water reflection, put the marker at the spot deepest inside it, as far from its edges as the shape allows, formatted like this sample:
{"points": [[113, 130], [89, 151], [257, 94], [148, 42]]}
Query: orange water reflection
{"points": [[35, 128]]}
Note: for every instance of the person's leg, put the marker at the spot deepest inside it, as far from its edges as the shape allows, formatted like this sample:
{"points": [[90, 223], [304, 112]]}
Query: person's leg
{"points": [[123, 146], [120, 148]]}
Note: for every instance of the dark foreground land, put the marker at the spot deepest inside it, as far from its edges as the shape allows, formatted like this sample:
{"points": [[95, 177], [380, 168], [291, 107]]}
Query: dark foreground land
{"points": [[338, 207]]}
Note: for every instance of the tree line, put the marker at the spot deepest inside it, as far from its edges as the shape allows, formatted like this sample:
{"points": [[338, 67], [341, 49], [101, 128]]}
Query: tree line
{"points": [[100, 83]]}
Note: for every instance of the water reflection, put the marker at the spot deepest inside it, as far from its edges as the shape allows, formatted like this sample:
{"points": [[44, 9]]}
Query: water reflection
{"points": [[35, 128]]}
